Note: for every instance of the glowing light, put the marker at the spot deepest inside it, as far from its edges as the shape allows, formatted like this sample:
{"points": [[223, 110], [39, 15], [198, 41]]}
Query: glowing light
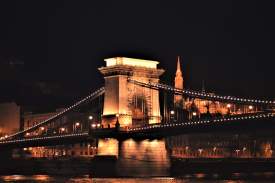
{"points": [[77, 124], [93, 125], [172, 112], [228, 105], [131, 62], [194, 114], [98, 125], [250, 107], [42, 128], [90, 117], [62, 129]]}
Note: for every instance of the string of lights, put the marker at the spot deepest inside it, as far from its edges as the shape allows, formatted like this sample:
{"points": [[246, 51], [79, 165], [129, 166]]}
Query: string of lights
{"points": [[92, 96], [203, 95], [57, 137], [199, 122]]}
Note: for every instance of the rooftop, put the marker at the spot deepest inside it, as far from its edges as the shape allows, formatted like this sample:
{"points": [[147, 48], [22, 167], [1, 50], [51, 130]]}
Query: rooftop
{"points": [[130, 62]]}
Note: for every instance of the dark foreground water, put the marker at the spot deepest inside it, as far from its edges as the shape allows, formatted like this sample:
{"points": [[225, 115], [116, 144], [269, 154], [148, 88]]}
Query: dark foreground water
{"points": [[267, 177]]}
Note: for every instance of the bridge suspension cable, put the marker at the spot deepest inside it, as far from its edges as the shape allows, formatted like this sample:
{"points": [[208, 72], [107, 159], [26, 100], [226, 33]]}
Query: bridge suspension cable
{"points": [[90, 97], [203, 95]]}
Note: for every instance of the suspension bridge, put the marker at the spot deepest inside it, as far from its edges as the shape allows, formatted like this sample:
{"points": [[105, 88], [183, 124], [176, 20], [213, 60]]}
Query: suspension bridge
{"points": [[129, 106]]}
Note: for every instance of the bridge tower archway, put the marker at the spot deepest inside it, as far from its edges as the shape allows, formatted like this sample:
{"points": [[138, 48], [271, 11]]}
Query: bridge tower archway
{"points": [[121, 95]]}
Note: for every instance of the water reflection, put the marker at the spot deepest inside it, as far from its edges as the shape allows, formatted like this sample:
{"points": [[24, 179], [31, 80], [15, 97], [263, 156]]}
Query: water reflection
{"points": [[267, 177], [24, 178]]}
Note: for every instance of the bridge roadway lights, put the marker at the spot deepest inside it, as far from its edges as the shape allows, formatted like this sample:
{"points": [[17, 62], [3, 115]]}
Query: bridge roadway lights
{"points": [[147, 131]]}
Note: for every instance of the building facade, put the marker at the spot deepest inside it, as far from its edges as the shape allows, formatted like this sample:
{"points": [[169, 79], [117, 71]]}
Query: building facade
{"points": [[68, 124], [9, 118]]}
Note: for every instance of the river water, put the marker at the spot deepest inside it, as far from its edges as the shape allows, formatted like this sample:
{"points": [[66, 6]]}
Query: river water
{"points": [[191, 178]]}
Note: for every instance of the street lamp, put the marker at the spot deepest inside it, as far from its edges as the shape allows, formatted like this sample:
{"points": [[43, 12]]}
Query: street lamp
{"points": [[93, 125], [172, 113], [237, 152], [194, 114], [200, 151], [62, 129], [42, 128], [90, 117], [228, 108]]}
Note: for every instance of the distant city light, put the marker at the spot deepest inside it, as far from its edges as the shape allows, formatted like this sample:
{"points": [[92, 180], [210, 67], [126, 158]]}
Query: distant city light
{"points": [[90, 117], [228, 105], [172, 112], [42, 128], [77, 124], [194, 114], [93, 125], [250, 107]]}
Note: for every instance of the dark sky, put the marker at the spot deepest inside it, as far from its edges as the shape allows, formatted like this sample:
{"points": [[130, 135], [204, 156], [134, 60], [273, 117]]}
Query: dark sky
{"points": [[50, 50]]}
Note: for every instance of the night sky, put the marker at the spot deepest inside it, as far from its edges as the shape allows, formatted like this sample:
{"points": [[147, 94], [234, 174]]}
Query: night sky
{"points": [[50, 50]]}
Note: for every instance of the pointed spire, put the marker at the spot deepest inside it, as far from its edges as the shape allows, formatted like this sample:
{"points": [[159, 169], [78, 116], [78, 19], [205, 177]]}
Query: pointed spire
{"points": [[178, 72]]}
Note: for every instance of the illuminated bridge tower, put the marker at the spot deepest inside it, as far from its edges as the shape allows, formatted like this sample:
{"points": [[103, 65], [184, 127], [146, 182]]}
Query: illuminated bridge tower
{"points": [[126, 102]]}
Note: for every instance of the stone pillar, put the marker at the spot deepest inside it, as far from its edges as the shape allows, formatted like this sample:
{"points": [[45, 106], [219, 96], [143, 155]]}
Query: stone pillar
{"points": [[143, 158], [120, 94]]}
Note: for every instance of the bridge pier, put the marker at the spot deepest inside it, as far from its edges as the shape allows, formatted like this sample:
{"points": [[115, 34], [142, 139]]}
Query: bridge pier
{"points": [[137, 158]]}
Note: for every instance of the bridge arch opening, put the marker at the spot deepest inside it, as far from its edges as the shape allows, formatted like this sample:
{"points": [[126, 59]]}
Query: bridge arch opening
{"points": [[140, 110]]}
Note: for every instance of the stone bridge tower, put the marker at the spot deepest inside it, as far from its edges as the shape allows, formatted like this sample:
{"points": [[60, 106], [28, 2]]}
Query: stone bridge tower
{"points": [[126, 102]]}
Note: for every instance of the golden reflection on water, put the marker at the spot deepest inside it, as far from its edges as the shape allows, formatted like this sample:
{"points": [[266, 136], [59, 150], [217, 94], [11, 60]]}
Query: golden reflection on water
{"points": [[143, 158], [192, 178], [18, 178]]}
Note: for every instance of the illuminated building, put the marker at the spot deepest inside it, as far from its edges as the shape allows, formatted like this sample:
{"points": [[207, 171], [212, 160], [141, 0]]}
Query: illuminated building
{"points": [[197, 107], [9, 118], [126, 102], [72, 150], [219, 145], [178, 99]]}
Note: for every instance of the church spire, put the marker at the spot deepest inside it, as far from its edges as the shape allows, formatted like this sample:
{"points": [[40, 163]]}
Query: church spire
{"points": [[178, 100], [178, 72]]}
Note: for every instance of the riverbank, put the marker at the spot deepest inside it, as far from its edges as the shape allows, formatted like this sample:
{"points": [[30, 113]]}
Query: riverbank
{"points": [[221, 166]]}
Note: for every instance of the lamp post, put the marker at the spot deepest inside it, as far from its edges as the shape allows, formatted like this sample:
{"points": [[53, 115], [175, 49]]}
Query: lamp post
{"points": [[172, 113], [76, 126], [90, 118], [117, 122], [228, 108], [62, 130]]}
